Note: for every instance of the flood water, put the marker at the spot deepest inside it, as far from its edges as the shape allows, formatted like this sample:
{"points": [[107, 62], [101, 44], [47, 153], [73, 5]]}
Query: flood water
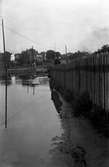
{"points": [[36, 134]]}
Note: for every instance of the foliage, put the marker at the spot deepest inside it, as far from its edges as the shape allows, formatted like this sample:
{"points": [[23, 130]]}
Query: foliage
{"points": [[50, 55], [26, 57], [104, 48]]}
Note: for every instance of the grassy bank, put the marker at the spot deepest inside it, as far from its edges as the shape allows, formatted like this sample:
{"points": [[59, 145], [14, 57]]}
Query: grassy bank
{"points": [[82, 107]]}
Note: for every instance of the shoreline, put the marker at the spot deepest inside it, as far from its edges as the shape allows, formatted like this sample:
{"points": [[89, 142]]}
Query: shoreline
{"points": [[83, 107]]}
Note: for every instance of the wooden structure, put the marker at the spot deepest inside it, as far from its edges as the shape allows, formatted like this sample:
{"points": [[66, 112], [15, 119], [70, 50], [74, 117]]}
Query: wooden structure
{"points": [[85, 74]]}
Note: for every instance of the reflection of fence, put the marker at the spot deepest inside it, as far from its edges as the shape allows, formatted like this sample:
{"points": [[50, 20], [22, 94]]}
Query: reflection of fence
{"points": [[87, 74]]}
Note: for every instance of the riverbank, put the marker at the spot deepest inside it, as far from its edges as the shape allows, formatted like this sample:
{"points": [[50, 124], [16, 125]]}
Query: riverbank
{"points": [[83, 108], [79, 136]]}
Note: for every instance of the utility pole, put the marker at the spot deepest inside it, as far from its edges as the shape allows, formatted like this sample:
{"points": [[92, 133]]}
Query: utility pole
{"points": [[66, 58], [5, 74]]}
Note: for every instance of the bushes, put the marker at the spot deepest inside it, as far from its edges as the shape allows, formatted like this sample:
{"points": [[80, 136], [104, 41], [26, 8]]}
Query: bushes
{"points": [[83, 105]]}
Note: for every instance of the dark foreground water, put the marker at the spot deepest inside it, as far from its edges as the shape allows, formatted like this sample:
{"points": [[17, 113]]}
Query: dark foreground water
{"points": [[36, 136]]}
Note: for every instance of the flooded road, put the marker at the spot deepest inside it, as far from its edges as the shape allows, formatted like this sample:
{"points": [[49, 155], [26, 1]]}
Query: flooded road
{"points": [[37, 137], [32, 123]]}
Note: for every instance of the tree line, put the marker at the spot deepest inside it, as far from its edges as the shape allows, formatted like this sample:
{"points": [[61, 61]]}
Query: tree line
{"points": [[30, 56]]}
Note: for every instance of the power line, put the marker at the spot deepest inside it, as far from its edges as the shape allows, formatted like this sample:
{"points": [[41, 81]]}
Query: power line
{"points": [[17, 33]]}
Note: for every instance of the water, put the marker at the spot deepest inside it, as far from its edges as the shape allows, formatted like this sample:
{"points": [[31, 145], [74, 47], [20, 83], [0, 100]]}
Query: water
{"points": [[32, 123], [36, 136]]}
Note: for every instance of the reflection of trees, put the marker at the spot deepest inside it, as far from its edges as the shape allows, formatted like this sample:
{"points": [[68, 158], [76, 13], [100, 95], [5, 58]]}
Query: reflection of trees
{"points": [[25, 77], [25, 80], [3, 80]]}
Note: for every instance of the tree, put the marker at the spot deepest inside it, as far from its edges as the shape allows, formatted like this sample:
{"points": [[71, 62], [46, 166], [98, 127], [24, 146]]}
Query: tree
{"points": [[7, 58], [57, 55], [105, 48], [50, 55]]}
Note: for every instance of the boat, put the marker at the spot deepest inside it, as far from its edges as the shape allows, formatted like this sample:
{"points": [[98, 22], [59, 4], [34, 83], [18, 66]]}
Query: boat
{"points": [[35, 81]]}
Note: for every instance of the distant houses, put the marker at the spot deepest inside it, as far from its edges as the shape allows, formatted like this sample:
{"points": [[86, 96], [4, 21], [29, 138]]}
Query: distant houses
{"points": [[29, 57], [32, 58]]}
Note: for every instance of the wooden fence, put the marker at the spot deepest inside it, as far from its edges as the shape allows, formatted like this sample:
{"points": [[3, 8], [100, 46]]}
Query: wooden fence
{"points": [[86, 74]]}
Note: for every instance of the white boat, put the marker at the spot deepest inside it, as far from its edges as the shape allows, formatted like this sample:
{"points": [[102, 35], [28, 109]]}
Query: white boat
{"points": [[35, 81]]}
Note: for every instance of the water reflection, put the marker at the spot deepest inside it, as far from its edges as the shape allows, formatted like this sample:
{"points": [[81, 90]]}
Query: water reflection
{"points": [[3, 80], [29, 81], [32, 123]]}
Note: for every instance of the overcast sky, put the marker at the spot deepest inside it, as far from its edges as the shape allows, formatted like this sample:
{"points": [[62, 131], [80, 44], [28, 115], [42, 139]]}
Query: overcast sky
{"points": [[50, 24]]}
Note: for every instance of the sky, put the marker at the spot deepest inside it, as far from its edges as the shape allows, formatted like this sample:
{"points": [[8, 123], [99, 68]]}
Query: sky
{"points": [[52, 24]]}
